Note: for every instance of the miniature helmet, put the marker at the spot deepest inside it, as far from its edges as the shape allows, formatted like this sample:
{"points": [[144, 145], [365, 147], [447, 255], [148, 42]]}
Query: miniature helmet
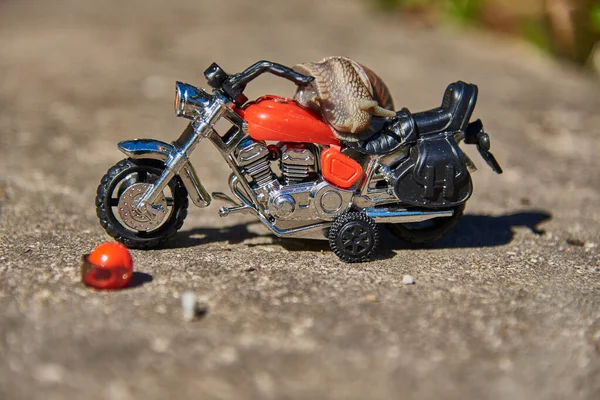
{"points": [[108, 266]]}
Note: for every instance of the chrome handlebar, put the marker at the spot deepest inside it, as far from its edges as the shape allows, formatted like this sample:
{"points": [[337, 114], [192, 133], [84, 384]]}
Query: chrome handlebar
{"points": [[190, 101], [234, 85]]}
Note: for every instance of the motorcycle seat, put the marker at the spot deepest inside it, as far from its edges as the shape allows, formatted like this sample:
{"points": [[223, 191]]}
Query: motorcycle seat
{"points": [[454, 113]]}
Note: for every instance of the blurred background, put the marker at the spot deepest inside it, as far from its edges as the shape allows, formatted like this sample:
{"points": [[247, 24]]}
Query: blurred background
{"points": [[566, 29], [89, 73]]}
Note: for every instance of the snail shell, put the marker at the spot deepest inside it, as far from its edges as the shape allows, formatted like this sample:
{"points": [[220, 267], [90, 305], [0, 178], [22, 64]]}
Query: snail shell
{"points": [[347, 95]]}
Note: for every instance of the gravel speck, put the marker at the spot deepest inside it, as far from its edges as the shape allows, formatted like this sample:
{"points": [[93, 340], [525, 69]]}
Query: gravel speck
{"points": [[408, 280], [188, 305], [575, 242], [371, 298], [159, 344], [50, 373]]}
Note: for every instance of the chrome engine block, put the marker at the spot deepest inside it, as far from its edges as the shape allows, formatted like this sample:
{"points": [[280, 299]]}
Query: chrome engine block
{"points": [[309, 200], [297, 163], [300, 195], [253, 159]]}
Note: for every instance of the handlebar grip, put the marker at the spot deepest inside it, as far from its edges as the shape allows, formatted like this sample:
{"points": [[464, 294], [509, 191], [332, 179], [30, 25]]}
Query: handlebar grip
{"points": [[302, 80], [282, 71], [287, 73]]}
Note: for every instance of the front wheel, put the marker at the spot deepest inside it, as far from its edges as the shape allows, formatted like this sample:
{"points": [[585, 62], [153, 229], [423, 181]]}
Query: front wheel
{"points": [[429, 231], [118, 193]]}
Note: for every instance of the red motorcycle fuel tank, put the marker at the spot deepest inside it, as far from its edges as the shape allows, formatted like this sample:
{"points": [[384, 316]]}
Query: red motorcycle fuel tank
{"points": [[273, 118]]}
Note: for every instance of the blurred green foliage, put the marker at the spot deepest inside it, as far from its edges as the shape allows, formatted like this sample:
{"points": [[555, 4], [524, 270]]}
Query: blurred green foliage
{"points": [[535, 32], [595, 17], [463, 11], [565, 28]]}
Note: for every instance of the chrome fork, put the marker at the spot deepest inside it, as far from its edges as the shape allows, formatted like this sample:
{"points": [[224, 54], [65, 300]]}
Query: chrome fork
{"points": [[202, 127]]}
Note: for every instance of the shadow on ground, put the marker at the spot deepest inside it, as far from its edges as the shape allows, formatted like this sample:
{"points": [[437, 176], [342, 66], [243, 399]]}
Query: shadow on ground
{"points": [[473, 230], [139, 278], [476, 230]]}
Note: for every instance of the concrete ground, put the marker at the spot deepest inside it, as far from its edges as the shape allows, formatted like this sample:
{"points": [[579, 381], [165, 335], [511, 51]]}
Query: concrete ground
{"points": [[507, 307]]}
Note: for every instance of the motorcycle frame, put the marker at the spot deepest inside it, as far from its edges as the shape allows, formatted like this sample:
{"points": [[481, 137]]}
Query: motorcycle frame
{"points": [[175, 156]]}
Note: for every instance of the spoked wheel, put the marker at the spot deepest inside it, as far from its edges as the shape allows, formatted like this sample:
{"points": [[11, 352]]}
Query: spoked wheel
{"points": [[429, 231], [354, 237], [118, 193]]}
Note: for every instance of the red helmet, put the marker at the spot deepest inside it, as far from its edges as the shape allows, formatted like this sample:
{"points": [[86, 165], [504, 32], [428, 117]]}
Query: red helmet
{"points": [[108, 266]]}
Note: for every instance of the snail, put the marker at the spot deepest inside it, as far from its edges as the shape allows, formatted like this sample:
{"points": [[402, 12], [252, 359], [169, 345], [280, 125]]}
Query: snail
{"points": [[346, 94]]}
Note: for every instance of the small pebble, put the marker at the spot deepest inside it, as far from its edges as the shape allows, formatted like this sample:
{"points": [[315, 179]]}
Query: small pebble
{"points": [[188, 305], [159, 344], [250, 269], [50, 373], [575, 242], [371, 298], [408, 280]]}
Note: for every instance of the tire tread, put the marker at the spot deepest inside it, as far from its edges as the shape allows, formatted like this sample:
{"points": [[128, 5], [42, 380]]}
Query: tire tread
{"points": [[342, 220]]}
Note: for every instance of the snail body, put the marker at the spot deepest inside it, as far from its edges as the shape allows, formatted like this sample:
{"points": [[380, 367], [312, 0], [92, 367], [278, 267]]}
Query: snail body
{"points": [[346, 94]]}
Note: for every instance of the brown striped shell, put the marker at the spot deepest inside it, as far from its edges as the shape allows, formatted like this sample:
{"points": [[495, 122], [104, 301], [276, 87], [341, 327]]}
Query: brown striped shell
{"points": [[347, 95]]}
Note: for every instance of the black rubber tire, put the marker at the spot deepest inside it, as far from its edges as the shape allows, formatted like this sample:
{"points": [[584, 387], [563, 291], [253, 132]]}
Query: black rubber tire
{"points": [[112, 226], [346, 233], [439, 228]]}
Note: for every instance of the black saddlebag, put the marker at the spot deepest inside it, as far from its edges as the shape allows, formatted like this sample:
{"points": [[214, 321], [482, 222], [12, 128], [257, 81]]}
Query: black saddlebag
{"points": [[434, 174]]}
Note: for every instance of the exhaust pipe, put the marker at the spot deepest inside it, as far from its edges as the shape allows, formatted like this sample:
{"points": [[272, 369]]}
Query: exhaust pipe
{"points": [[395, 215]]}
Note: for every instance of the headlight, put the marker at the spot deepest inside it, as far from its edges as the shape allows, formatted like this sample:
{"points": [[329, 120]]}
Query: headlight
{"points": [[189, 100]]}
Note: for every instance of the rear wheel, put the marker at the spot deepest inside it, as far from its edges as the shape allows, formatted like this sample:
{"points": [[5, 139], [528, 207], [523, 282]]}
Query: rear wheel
{"points": [[427, 231], [118, 193], [354, 237]]}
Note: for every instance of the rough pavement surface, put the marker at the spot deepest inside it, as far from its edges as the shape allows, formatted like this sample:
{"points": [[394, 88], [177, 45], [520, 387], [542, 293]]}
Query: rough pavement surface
{"points": [[507, 307]]}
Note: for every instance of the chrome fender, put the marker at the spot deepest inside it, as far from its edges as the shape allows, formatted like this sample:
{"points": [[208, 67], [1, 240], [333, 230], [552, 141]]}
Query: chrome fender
{"points": [[157, 150]]}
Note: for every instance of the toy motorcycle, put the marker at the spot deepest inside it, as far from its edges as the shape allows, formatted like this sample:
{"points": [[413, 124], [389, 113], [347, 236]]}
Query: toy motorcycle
{"points": [[292, 172]]}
